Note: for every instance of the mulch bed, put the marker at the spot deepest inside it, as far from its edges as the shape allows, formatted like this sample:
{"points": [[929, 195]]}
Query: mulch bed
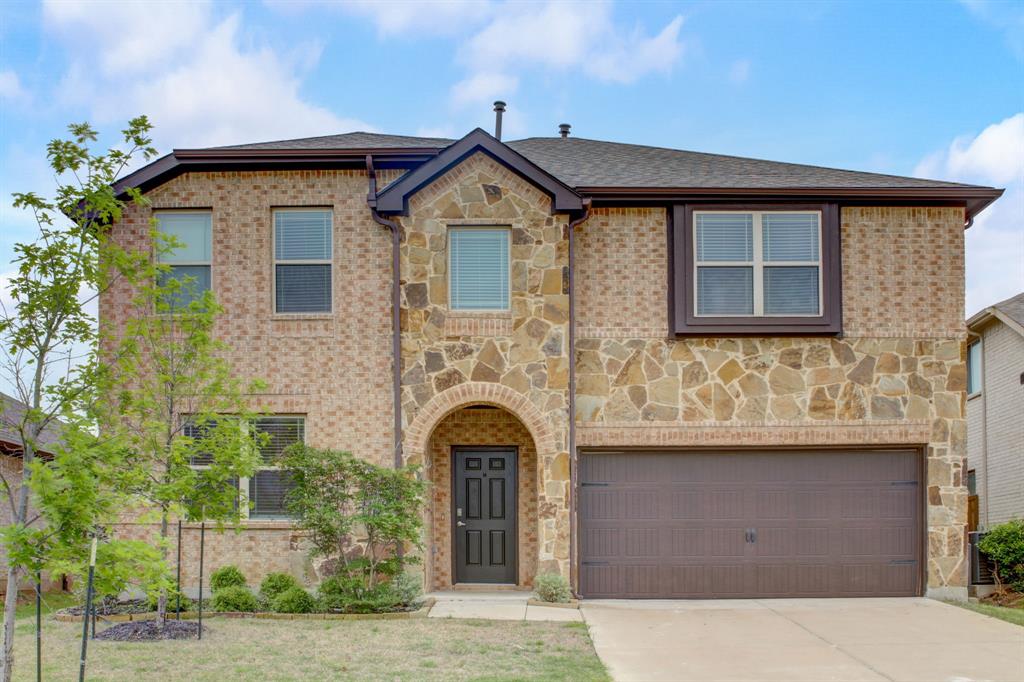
{"points": [[1005, 598], [151, 631]]}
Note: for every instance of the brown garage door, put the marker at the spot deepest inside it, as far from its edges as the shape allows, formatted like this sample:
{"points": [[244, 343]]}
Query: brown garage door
{"points": [[750, 524]]}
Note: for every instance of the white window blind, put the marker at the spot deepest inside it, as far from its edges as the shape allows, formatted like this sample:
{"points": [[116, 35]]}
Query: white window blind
{"points": [[759, 263], [478, 268], [302, 261], [189, 262], [268, 487]]}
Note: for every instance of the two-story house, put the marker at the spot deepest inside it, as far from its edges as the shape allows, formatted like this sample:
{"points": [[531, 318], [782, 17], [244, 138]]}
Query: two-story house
{"points": [[659, 373], [995, 413]]}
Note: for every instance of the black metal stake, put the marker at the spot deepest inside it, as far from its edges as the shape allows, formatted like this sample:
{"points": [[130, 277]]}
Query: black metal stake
{"points": [[202, 546], [85, 614], [178, 608], [39, 626]]}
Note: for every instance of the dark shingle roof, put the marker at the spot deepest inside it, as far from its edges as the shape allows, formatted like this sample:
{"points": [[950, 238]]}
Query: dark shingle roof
{"points": [[11, 411], [358, 140], [1013, 308], [579, 162]]}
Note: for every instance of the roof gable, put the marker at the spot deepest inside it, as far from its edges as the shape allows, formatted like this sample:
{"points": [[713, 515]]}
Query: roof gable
{"points": [[394, 198], [1010, 312]]}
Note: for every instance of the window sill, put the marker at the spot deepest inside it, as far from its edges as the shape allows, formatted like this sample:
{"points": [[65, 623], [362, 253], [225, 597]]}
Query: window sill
{"points": [[298, 317], [480, 314], [248, 524]]}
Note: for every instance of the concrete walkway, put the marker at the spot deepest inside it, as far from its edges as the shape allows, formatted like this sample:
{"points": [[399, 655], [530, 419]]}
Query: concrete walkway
{"points": [[498, 605], [912, 640]]}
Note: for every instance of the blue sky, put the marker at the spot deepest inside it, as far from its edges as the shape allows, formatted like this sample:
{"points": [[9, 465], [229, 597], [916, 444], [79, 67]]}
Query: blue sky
{"points": [[932, 89]]}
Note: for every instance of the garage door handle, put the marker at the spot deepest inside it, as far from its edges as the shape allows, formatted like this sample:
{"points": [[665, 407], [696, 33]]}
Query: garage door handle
{"points": [[750, 535]]}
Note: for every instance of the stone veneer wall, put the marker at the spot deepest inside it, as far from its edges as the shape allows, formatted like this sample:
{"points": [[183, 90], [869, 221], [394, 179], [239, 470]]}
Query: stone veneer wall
{"points": [[523, 351], [333, 370], [480, 427], [896, 377]]}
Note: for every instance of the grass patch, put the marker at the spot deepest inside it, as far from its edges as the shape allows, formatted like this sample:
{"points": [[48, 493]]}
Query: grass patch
{"points": [[1010, 614], [279, 650], [52, 601]]}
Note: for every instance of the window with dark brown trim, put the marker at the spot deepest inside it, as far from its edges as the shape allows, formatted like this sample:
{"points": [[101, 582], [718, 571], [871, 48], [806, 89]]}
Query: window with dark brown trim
{"points": [[756, 269]]}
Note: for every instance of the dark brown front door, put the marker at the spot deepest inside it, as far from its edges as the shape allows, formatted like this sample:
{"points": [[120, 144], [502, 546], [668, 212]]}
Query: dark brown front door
{"points": [[814, 523], [485, 515]]}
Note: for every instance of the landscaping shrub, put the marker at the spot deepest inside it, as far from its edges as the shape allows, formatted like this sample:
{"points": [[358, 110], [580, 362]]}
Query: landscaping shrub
{"points": [[1004, 544], [294, 600], [226, 576], [349, 594], [234, 598], [406, 588], [276, 583], [552, 587]]}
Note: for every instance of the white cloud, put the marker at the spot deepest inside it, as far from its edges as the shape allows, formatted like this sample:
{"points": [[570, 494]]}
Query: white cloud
{"points": [[484, 87], [10, 86], [739, 72], [206, 89], [394, 17], [995, 243], [572, 35]]}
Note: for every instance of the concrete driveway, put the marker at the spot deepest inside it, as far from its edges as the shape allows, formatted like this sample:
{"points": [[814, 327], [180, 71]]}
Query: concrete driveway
{"points": [[803, 639]]}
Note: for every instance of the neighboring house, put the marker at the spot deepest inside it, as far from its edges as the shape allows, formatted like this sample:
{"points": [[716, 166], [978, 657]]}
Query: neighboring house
{"points": [[11, 450], [659, 373], [995, 411]]}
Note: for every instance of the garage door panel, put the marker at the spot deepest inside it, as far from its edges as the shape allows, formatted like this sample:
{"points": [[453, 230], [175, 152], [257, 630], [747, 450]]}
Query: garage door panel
{"points": [[750, 524]]}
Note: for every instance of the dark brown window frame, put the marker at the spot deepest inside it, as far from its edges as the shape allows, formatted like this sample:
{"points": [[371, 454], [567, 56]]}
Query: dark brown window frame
{"points": [[685, 322]]}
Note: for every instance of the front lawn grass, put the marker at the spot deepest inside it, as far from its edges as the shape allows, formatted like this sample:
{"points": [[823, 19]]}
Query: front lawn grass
{"points": [[275, 650], [1011, 614]]}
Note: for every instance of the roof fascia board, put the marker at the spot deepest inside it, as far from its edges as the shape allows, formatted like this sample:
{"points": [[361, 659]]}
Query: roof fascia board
{"points": [[983, 318], [181, 161], [974, 199], [394, 199]]}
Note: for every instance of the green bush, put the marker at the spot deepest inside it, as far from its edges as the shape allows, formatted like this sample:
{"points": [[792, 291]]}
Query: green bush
{"points": [[276, 583], [234, 598], [349, 594], [226, 576], [552, 587], [1004, 544], [406, 588], [294, 600]]}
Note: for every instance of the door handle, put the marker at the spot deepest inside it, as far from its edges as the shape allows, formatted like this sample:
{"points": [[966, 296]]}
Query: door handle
{"points": [[460, 524]]}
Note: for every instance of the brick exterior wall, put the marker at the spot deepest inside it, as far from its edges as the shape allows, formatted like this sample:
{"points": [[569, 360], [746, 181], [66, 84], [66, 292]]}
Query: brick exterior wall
{"points": [[896, 377], [996, 431], [333, 370]]}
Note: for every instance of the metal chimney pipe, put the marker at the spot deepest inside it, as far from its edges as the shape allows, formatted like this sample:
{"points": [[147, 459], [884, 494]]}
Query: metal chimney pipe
{"points": [[563, 129], [499, 109]]}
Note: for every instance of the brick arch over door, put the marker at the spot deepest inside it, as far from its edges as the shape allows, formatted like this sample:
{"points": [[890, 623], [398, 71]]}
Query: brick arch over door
{"points": [[417, 434]]}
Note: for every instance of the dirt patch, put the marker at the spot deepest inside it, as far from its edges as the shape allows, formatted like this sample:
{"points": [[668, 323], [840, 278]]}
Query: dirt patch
{"points": [[151, 631]]}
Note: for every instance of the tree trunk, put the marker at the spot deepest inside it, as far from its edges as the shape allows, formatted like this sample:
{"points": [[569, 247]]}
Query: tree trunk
{"points": [[161, 602], [10, 604]]}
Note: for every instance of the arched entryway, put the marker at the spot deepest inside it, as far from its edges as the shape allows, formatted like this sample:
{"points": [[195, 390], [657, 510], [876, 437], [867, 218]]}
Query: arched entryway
{"points": [[485, 415]]}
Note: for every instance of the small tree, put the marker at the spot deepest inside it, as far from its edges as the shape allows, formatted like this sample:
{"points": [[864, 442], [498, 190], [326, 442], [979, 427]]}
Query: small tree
{"points": [[334, 496], [48, 340], [176, 406], [1004, 544]]}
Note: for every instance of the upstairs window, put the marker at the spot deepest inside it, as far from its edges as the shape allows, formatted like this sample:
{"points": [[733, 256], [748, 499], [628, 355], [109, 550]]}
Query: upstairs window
{"points": [[974, 368], [478, 267], [189, 262], [756, 269], [302, 260]]}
